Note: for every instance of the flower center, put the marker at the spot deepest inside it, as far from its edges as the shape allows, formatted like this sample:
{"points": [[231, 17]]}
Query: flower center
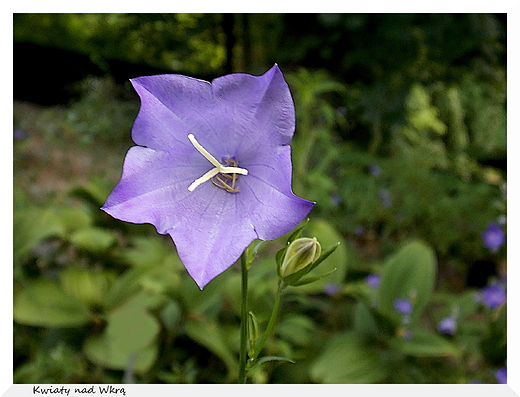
{"points": [[223, 176]]}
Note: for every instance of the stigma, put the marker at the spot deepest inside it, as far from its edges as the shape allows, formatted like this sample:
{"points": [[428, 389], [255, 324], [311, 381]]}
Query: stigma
{"points": [[223, 176]]}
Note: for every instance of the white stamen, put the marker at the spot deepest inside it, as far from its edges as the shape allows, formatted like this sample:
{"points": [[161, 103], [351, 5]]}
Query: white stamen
{"points": [[219, 168], [207, 176], [203, 151]]}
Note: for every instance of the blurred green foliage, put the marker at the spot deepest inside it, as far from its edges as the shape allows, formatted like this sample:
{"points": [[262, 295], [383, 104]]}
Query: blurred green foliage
{"points": [[189, 42], [399, 153]]}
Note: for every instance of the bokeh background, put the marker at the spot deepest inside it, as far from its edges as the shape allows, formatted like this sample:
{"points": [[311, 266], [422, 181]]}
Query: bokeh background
{"points": [[400, 139]]}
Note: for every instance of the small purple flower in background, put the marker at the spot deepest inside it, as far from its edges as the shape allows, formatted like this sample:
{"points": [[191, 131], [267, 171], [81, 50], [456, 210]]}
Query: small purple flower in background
{"points": [[493, 295], [213, 166], [501, 375], [374, 169], [386, 198], [19, 134], [447, 325], [493, 237], [359, 230], [373, 280], [331, 289], [335, 199], [341, 111], [403, 306]]}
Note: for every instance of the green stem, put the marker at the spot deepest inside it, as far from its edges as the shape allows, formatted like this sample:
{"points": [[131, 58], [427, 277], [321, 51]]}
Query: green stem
{"points": [[243, 322], [270, 324]]}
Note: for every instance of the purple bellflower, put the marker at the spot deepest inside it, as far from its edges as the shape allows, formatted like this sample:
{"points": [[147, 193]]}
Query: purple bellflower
{"points": [[403, 306], [448, 325], [386, 198], [359, 230], [373, 280], [374, 169], [213, 166], [501, 375], [331, 289], [494, 295], [493, 237]]}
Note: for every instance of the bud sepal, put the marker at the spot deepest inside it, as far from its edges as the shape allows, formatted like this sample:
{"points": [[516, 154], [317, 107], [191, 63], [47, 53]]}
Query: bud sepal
{"points": [[308, 280]]}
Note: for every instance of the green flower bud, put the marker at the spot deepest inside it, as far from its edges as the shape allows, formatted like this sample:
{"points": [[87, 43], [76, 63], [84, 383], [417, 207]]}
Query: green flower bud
{"points": [[253, 332], [301, 253]]}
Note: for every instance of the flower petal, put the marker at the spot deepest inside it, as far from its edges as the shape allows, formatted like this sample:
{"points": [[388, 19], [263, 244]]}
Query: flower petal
{"points": [[153, 184], [210, 239], [266, 195], [172, 106], [252, 110], [259, 108]]}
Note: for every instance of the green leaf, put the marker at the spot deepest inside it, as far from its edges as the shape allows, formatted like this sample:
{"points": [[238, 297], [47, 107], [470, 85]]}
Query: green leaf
{"points": [[466, 304], [86, 285], [425, 344], [208, 334], [279, 259], [43, 303], [95, 192], [324, 255], [267, 359], [348, 358], [31, 226], [364, 321], [149, 251], [308, 280], [124, 286], [207, 301], [297, 329], [75, 218], [409, 273], [151, 283], [94, 239], [171, 314], [127, 340]]}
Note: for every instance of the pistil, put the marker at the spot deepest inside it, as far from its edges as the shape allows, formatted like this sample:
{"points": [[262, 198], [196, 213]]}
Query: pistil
{"points": [[219, 169]]}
